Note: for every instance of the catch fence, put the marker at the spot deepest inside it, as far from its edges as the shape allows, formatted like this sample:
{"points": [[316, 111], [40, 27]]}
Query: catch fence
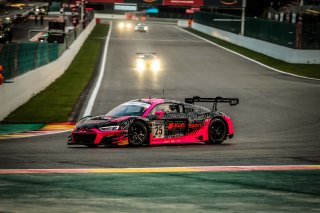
{"points": [[18, 58], [300, 35]]}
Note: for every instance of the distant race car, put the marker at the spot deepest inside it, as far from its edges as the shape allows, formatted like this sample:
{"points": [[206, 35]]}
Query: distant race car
{"points": [[125, 25], [154, 122], [147, 61], [141, 27]]}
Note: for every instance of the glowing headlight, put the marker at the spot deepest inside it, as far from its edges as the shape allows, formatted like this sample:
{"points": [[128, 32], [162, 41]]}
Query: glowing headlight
{"points": [[109, 128], [140, 65], [129, 26], [155, 66], [121, 25], [146, 28]]}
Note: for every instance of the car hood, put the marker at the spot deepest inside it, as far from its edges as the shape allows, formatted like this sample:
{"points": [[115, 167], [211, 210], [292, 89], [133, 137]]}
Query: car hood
{"points": [[100, 121]]}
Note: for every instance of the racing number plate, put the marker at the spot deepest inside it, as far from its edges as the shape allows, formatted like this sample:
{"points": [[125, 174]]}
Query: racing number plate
{"points": [[158, 131]]}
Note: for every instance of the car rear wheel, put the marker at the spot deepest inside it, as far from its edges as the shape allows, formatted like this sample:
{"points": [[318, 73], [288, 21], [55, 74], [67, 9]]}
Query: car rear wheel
{"points": [[138, 134], [217, 131]]}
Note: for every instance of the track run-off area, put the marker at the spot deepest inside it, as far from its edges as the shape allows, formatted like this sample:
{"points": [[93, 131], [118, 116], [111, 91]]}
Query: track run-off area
{"points": [[271, 164]]}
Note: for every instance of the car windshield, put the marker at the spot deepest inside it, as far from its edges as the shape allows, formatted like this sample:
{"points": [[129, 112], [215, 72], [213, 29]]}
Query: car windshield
{"points": [[131, 108], [148, 56]]}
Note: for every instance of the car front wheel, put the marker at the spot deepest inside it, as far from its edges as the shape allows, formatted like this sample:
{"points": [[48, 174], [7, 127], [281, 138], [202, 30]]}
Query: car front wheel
{"points": [[138, 134]]}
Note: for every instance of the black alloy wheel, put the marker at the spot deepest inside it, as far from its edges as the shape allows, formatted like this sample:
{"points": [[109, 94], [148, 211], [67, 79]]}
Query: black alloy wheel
{"points": [[217, 131], [138, 134]]}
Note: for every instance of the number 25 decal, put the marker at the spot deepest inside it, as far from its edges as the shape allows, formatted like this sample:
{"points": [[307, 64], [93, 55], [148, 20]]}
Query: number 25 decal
{"points": [[158, 131]]}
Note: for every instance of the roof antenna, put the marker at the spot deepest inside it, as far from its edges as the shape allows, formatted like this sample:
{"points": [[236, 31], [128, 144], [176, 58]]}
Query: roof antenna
{"points": [[164, 87]]}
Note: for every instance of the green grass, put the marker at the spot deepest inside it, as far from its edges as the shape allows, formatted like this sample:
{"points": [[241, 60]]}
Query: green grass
{"points": [[55, 103], [200, 192], [307, 70]]}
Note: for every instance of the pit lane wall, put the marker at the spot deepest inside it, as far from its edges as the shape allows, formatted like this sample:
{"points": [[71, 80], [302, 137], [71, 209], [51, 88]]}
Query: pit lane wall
{"points": [[13, 95], [276, 51]]}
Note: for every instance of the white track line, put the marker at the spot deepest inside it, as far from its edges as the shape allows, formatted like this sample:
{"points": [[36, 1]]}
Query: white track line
{"points": [[250, 59], [94, 94]]}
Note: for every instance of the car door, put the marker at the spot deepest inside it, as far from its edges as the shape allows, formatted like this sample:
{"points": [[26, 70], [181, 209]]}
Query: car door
{"points": [[169, 120], [196, 117]]}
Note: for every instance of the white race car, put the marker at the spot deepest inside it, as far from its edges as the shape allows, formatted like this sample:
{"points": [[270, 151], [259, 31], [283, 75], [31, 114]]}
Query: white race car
{"points": [[141, 27]]}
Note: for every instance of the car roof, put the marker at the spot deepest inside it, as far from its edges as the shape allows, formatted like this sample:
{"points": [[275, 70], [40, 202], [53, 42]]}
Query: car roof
{"points": [[158, 100]]}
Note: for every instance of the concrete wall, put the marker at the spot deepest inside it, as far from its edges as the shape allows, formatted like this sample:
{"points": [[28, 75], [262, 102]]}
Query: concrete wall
{"points": [[109, 16], [273, 50], [183, 23], [13, 95]]}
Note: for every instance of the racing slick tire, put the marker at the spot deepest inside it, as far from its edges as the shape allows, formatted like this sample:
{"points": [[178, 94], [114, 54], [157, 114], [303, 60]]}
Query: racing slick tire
{"points": [[138, 134], [217, 131]]}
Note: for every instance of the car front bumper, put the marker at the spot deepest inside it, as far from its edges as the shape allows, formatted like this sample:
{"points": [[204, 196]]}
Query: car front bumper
{"points": [[94, 137]]}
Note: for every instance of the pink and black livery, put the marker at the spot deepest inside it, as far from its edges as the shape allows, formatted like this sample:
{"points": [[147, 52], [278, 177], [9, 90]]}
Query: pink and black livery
{"points": [[156, 121]]}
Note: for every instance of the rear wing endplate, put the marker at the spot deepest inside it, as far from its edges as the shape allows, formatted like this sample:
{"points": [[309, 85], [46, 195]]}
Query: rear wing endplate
{"points": [[231, 101]]}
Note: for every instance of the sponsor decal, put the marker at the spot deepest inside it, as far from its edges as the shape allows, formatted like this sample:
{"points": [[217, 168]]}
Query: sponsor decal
{"points": [[122, 143], [192, 10], [194, 3], [194, 125], [104, 1], [174, 116], [177, 125], [229, 2], [181, 1]]}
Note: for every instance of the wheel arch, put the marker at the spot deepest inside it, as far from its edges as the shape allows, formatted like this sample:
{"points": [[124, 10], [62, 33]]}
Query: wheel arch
{"points": [[226, 123], [145, 122]]}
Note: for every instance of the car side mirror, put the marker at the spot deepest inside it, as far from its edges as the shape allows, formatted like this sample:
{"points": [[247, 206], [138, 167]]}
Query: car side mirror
{"points": [[159, 114]]}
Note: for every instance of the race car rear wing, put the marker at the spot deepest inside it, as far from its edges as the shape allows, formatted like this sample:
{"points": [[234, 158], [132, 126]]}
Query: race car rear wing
{"points": [[231, 101]]}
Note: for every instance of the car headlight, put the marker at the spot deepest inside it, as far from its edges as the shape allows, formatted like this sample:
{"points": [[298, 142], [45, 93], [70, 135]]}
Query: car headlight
{"points": [[155, 66], [140, 65], [145, 28], [121, 25], [109, 128]]}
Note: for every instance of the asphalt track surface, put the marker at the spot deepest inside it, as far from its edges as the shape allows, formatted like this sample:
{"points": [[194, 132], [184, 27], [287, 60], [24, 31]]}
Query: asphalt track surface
{"points": [[276, 123]]}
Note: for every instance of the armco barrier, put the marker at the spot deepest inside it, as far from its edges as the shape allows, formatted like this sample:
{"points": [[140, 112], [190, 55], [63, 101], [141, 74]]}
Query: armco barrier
{"points": [[13, 95], [276, 51]]}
